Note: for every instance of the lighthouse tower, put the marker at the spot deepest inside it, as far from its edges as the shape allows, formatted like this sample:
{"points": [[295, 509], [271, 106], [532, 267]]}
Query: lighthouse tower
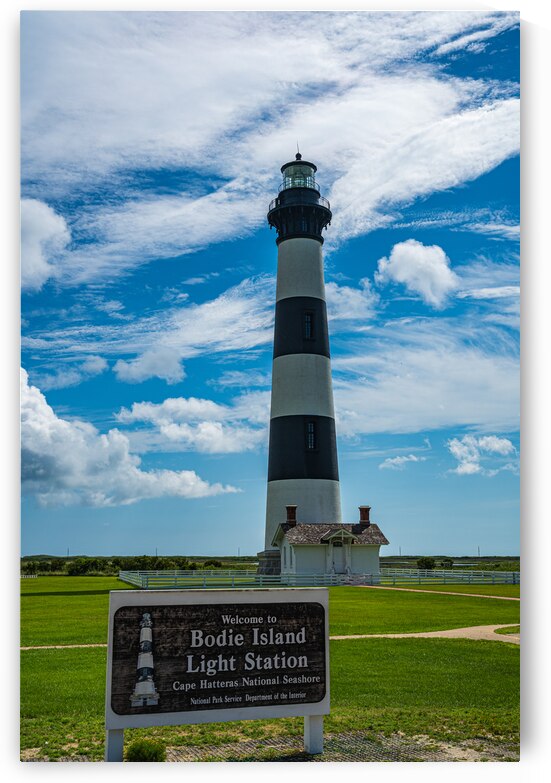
{"points": [[302, 465]]}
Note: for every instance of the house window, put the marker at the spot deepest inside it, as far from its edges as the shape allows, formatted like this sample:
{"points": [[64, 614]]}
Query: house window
{"points": [[284, 555], [291, 556], [311, 439], [308, 325]]}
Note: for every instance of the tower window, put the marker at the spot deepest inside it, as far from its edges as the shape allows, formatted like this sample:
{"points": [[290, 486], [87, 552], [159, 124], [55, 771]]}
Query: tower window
{"points": [[311, 440], [308, 325]]}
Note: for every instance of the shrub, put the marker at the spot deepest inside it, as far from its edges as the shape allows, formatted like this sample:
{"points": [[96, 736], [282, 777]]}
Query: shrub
{"points": [[78, 567], [145, 750], [426, 563], [212, 564]]}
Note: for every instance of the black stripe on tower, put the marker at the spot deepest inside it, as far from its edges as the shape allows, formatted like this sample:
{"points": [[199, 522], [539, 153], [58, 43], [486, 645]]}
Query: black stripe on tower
{"points": [[303, 447], [301, 326]]}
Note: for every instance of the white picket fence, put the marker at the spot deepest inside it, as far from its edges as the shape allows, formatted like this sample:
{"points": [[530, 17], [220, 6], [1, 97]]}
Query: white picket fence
{"points": [[170, 579]]}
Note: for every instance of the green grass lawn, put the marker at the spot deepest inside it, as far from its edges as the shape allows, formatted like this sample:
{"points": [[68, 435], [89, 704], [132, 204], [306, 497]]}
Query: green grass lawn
{"points": [[66, 609], [511, 629], [450, 690], [509, 591], [356, 610], [73, 610]]}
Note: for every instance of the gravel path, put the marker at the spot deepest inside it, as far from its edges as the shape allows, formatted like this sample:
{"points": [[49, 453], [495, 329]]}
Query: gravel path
{"points": [[349, 746], [477, 632]]}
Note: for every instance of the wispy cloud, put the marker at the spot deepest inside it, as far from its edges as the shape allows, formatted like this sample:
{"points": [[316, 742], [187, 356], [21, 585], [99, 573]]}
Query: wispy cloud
{"points": [[400, 462], [417, 375], [387, 135], [73, 374]]}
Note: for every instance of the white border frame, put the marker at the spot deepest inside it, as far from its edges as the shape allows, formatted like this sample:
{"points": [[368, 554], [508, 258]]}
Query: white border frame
{"points": [[120, 598]]}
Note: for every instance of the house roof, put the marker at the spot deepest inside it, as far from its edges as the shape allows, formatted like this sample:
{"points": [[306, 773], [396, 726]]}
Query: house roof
{"points": [[321, 532]]}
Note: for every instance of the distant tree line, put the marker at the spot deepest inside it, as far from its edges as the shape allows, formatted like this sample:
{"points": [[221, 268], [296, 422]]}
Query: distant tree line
{"points": [[446, 563], [103, 566]]}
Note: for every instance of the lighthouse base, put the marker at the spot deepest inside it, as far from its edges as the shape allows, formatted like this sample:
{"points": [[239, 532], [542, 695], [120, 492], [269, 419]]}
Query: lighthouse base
{"points": [[269, 562]]}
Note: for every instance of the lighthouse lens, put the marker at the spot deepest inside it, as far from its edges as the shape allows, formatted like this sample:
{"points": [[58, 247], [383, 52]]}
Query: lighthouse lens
{"points": [[299, 176]]}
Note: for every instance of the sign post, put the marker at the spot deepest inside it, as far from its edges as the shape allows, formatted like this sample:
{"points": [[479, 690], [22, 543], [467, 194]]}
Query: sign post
{"points": [[202, 656]]}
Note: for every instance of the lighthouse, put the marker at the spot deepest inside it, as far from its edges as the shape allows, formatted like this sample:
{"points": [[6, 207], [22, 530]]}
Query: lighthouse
{"points": [[302, 464], [145, 694]]}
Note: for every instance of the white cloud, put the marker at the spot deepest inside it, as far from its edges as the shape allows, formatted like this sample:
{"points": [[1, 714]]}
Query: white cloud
{"points": [[72, 375], [204, 425], [347, 303], [469, 451], [44, 236], [160, 362], [184, 94], [426, 154], [475, 41], [69, 462], [242, 378], [423, 269], [399, 463], [510, 231], [417, 375], [500, 292]]}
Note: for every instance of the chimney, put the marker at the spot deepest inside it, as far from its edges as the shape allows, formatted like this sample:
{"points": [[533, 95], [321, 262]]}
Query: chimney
{"points": [[364, 516], [291, 515]]}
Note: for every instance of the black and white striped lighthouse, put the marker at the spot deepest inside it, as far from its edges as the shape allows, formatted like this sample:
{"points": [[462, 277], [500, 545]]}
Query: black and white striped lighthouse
{"points": [[302, 465]]}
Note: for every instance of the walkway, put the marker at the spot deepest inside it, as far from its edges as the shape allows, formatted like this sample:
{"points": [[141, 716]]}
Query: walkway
{"points": [[477, 632]]}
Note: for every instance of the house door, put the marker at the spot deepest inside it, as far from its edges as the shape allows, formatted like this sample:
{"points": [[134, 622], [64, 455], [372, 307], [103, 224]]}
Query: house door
{"points": [[338, 557]]}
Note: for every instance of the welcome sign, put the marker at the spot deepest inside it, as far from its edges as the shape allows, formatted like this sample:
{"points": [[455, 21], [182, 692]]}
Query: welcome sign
{"points": [[198, 656]]}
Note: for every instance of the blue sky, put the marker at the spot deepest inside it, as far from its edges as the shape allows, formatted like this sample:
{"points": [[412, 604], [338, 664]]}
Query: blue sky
{"points": [[151, 147]]}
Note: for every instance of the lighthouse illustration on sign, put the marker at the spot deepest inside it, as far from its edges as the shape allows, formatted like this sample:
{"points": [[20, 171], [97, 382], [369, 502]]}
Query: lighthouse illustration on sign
{"points": [[145, 694], [304, 532]]}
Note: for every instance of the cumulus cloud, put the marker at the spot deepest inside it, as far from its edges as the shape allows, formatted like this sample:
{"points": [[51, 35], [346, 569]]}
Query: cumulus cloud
{"points": [[202, 425], [70, 462], [399, 463], [469, 451], [161, 362], [44, 236], [422, 269]]}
